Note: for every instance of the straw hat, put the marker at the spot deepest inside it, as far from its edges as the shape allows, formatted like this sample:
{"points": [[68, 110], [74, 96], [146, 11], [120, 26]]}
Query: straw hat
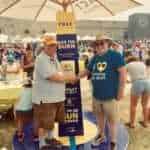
{"points": [[100, 37], [49, 40]]}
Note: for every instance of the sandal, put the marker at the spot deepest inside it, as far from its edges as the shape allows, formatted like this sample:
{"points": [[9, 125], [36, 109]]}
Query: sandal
{"points": [[99, 139], [46, 147], [54, 143], [143, 124], [113, 146], [130, 125]]}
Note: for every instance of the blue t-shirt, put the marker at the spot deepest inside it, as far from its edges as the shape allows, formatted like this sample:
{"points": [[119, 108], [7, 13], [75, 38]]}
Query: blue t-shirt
{"points": [[105, 75]]}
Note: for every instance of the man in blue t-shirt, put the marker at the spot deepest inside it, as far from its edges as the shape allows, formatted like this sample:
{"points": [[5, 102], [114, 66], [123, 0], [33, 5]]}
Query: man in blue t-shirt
{"points": [[108, 76]]}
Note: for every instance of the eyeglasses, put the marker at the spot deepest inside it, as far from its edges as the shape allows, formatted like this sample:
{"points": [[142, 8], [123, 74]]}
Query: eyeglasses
{"points": [[100, 43]]}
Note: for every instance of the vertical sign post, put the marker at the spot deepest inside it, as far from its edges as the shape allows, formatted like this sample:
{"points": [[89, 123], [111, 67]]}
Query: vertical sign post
{"points": [[68, 55]]}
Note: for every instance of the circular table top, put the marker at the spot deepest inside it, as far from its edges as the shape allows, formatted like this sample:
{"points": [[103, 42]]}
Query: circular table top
{"points": [[90, 131]]}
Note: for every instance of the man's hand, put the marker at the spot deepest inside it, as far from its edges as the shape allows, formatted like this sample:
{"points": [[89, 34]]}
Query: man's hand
{"points": [[63, 77], [71, 78]]}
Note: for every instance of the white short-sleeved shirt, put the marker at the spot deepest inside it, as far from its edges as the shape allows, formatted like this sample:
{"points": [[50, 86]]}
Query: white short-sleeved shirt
{"points": [[46, 91], [137, 70]]}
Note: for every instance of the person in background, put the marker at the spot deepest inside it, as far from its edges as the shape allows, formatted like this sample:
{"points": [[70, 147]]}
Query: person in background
{"points": [[118, 48], [140, 89], [12, 66], [48, 94], [18, 52], [108, 77], [28, 61], [1, 56], [149, 115], [138, 50], [1, 53], [147, 62], [23, 109]]}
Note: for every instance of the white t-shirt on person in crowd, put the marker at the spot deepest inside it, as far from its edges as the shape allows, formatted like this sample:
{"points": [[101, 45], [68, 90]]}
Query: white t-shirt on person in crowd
{"points": [[137, 70], [46, 91]]}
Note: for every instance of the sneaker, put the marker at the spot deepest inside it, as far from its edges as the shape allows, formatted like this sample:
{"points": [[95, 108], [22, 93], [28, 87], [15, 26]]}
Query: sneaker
{"points": [[46, 147], [54, 143], [130, 125], [35, 138], [143, 124], [98, 140], [113, 146]]}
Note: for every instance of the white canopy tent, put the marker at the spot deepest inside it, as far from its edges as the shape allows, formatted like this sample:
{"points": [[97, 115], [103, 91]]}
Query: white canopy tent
{"points": [[27, 40], [88, 38], [16, 39], [45, 10], [3, 38]]}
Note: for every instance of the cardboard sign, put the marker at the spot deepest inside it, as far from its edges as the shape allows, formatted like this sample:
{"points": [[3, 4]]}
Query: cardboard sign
{"points": [[65, 22]]}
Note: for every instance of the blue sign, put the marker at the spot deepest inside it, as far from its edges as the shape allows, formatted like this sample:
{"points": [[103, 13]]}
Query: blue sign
{"points": [[73, 125], [67, 47]]}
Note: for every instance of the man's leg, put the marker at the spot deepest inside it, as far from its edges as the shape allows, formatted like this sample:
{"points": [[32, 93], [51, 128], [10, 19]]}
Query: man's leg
{"points": [[113, 133], [56, 113], [100, 118], [43, 121], [111, 110]]}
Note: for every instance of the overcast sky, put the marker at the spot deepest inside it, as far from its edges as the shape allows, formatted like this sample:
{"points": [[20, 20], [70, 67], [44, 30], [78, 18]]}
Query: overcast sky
{"points": [[143, 9]]}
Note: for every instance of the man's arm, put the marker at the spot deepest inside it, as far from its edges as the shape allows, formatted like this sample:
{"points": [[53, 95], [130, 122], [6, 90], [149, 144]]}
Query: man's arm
{"points": [[62, 78], [122, 81], [83, 74]]}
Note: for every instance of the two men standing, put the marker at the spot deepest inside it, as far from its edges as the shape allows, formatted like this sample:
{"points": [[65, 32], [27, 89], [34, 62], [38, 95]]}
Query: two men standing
{"points": [[108, 80]]}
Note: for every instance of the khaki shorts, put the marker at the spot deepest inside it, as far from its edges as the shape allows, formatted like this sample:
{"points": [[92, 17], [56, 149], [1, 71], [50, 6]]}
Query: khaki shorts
{"points": [[108, 108], [46, 114]]}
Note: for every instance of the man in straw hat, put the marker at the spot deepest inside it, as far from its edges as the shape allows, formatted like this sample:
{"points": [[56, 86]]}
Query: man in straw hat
{"points": [[108, 78], [48, 93]]}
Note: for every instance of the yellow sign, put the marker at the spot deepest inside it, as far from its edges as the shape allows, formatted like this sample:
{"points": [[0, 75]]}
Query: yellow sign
{"points": [[68, 66], [65, 22]]}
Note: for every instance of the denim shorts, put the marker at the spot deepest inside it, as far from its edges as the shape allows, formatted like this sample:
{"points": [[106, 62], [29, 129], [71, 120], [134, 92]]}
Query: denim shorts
{"points": [[140, 87]]}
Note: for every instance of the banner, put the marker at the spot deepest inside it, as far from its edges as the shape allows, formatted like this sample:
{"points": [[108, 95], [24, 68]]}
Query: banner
{"points": [[68, 55], [65, 22], [67, 47]]}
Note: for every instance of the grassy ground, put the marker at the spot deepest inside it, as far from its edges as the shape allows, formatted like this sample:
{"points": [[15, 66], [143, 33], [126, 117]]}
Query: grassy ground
{"points": [[139, 137]]}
